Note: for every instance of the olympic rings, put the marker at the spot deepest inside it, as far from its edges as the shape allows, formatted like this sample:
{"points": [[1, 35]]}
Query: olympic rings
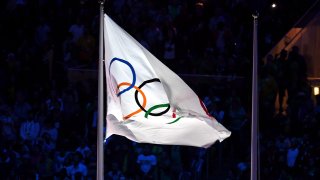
{"points": [[138, 90]]}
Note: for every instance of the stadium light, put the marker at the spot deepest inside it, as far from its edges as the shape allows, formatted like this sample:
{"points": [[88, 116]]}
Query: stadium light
{"points": [[316, 91]]}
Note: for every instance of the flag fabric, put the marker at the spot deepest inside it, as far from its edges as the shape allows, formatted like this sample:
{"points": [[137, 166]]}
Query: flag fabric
{"points": [[147, 102]]}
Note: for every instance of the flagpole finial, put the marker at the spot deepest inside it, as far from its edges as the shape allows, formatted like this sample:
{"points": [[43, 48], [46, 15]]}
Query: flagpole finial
{"points": [[255, 15]]}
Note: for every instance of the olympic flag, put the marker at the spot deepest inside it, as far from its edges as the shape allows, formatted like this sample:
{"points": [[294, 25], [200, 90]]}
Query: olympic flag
{"points": [[149, 103]]}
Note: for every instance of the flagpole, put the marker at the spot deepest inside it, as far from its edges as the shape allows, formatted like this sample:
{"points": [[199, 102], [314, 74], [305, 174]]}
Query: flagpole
{"points": [[254, 117], [100, 158]]}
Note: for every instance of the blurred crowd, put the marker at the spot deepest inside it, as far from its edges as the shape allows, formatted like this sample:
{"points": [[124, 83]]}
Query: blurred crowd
{"points": [[48, 122]]}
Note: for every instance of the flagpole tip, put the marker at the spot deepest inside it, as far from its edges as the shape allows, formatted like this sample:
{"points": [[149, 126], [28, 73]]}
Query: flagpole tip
{"points": [[255, 15]]}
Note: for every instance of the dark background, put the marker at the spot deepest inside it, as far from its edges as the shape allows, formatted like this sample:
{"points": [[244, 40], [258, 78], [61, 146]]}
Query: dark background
{"points": [[48, 118]]}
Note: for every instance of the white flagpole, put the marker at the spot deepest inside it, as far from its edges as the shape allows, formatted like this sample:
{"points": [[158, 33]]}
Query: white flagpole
{"points": [[100, 158], [254, 117]]}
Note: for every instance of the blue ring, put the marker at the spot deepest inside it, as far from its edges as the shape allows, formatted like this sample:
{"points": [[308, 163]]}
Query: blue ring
{"points": [[133, 74]]}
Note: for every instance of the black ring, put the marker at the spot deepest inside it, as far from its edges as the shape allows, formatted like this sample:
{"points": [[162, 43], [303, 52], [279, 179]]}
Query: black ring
{"points": [[138, 103]]}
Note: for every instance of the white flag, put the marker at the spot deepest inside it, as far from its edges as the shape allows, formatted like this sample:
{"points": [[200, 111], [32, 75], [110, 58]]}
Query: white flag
{"points": [[149, 103]]}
